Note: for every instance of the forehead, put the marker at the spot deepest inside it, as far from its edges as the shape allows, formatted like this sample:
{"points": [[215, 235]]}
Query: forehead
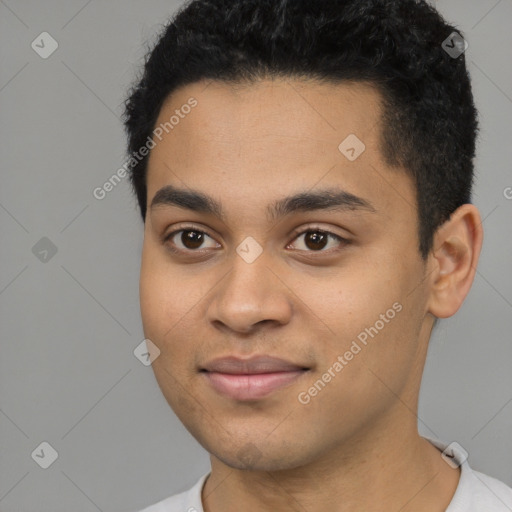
{"points": [[272, 137]]}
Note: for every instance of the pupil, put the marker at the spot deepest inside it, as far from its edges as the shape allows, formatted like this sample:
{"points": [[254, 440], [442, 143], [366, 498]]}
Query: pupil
{"points": [[192, 239], [318, 240]]}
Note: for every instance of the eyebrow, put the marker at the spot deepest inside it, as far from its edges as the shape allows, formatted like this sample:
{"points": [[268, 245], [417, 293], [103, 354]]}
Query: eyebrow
{"points": [[333, 199]]}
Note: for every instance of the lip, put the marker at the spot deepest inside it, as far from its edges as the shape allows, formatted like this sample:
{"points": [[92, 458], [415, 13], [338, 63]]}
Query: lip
{"points": [[253, 378]]}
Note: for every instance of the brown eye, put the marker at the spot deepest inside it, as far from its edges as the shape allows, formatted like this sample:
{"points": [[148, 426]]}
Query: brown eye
{"points": [[189, 239], [316, 240], [192, 239]]}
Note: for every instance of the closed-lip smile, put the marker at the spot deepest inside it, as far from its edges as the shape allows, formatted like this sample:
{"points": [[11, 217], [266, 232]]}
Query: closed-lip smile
{"points": [[250, 378]]}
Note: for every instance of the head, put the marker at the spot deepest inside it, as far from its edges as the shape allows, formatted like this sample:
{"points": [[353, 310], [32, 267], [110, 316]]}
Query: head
{"points": [[306, 195]]}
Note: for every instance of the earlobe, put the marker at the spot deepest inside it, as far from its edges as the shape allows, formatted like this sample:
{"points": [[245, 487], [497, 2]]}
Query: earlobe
{"points": [[457, 245]]}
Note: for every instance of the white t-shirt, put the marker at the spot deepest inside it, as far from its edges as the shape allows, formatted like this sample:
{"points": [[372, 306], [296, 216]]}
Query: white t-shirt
{"points": [[475, 492]]}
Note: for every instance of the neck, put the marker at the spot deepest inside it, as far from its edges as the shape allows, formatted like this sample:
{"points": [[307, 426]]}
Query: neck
{"points": [[371, 471]]}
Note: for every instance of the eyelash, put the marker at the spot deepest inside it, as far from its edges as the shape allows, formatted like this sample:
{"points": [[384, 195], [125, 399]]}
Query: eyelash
{"points": [[295, 234]]}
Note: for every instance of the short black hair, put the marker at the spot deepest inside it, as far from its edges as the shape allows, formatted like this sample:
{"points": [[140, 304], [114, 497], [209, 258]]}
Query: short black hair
{"points": [[429, 121]]}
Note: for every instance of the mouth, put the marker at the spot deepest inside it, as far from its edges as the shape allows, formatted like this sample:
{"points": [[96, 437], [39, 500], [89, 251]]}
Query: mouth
{"points": [[251, 379]]}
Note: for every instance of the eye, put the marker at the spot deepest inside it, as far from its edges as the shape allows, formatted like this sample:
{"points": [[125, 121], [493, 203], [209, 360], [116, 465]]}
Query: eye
{"points": [[189, 239], [316, 240]]}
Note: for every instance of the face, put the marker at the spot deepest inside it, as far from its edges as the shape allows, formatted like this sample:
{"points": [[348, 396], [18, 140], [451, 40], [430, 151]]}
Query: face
{"points": [[281, 279]]}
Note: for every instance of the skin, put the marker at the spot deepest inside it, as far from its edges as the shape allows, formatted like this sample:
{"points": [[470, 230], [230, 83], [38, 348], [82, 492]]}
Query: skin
{"points": [[355, 446]]}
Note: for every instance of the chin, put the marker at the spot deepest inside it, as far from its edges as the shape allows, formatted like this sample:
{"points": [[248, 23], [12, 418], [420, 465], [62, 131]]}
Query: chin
{"points": [[259, 455], [262, 463]]}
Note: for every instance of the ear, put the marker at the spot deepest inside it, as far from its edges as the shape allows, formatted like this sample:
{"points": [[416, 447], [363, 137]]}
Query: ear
{"points": [[454, 257]]}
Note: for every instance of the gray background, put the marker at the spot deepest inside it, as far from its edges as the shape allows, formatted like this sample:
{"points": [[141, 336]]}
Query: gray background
{"points": [[69, 325]]}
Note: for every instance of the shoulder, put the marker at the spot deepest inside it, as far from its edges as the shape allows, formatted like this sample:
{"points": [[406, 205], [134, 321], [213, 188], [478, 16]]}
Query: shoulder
{"points": [[187, 501], [482, 492], [476, 492]]}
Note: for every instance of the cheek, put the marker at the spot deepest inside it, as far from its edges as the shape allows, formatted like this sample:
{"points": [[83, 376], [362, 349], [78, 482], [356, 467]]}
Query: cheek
{"points": [[372, 321], [152, 304], [171, 302], [364, 369], [164, 315], [161, 305], [351, 300]]}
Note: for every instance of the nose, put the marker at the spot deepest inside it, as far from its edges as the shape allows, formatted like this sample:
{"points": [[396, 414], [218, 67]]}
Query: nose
{"points": [[249, 296]]}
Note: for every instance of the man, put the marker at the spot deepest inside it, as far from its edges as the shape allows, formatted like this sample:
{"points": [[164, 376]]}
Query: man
{"points": [[304, 173]]}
